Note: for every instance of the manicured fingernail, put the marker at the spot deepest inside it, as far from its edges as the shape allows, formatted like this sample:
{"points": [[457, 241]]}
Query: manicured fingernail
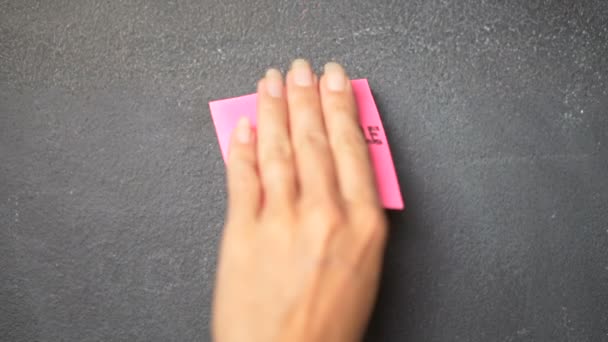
{"points": [[274, 83], [302, 73], [336, 79], [243, 130]]}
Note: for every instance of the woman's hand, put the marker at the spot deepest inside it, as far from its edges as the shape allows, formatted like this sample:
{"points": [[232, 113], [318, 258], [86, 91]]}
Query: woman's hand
{"points": [[305, 232]]}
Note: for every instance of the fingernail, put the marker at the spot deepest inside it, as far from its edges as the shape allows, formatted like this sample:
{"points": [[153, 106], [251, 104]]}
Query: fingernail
{"points": [[336, 79], [302, 74], [243, 130], [274, 83]]}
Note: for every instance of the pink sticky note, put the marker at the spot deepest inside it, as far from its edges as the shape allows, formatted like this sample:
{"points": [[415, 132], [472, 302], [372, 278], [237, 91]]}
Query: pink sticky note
{"points": [[225, 114]]}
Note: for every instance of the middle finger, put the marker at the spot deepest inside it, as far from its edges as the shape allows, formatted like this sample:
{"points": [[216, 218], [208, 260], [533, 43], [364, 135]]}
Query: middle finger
{"points": [[314, 162]]}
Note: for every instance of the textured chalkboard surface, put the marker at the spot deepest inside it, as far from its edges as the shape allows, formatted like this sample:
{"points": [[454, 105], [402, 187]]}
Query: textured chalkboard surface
{"points": [[112, 184]]}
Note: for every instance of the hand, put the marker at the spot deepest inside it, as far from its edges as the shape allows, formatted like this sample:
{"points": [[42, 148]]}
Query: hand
{"points": [[305, 233]]}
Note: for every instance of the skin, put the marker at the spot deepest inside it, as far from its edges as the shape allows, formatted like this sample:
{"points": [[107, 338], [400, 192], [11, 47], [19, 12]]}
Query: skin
{"points": [[305, 232]]}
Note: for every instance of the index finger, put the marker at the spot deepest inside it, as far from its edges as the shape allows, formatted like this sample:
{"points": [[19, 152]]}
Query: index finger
{"points": [[351, 156]]}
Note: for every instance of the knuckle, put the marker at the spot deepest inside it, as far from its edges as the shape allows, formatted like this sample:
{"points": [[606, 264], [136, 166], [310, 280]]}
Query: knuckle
{"points": [[276, 162], [371, 222], [303, 99], [313, 139], [279, 152], [349, 140], [239, 167], [327, 218], [276, 174], [338, 106]]}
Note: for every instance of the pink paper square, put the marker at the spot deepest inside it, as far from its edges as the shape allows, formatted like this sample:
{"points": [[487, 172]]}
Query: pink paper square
{"points": [[225, 114]]}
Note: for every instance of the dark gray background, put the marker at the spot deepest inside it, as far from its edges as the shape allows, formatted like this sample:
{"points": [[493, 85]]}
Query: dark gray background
{"points": [[112, 185]]}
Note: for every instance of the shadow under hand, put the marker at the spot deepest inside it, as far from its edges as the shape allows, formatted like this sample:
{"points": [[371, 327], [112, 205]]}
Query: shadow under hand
{"points": [[400, 306]]}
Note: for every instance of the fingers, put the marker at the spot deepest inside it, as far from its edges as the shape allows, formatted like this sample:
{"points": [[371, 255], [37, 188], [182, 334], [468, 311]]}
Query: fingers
{"points": [[314, 162], [244, 191], [355, 175], [309, 139], [275, 155]]}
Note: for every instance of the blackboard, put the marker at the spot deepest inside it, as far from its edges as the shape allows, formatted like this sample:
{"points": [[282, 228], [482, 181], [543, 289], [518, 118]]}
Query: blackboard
{"points": [[112, 184]]}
